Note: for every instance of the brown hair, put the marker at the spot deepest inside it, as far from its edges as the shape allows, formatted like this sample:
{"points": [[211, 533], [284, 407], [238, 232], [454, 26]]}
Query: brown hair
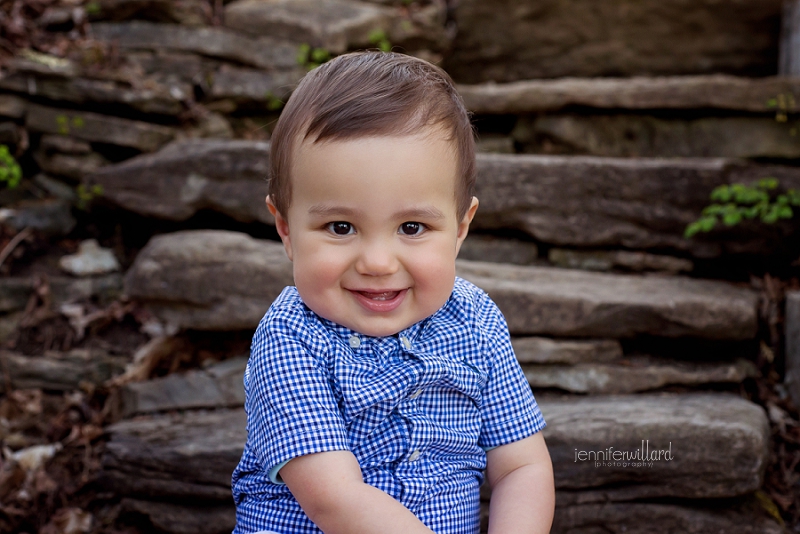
{"points": [[371, 94]]}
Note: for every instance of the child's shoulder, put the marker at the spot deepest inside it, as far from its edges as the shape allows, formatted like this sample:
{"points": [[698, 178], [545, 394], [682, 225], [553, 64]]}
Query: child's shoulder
{"points": [[287, 311], [470, 299]]}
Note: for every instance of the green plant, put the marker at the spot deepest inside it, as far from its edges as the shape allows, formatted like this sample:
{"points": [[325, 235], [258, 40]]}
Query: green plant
{"points": [[86, 195], [10, 171], [380, 40], [736, 202], [273, 102], [311, 58], [93, 8]]}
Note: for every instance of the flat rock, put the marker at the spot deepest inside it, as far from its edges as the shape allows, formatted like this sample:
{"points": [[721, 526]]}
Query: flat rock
{"points": [[715, 91], [544, 350], [335, 25], [606, 260], [183, 518], [640, 518], [51, 216], [498, 249], [636, 203], [150, 97], [719, 448], [12, 106], [649, 136], [218, 386], [635, 374], [254, 86], [90, 260], [75, 166], [189, 175], [575, 201], [519, 40], [209, 279], [16, 291], [569, 303], [719, 444], [221, 280], [97, 128], [58, 371], [216, 42], [180, 455]]}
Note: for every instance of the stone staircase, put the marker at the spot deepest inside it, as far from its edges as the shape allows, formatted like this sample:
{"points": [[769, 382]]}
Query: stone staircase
{"points": [[589, 178]]}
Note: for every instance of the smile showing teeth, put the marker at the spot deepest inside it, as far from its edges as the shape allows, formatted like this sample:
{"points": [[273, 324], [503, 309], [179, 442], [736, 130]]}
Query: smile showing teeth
{"points": [[384, 295]]}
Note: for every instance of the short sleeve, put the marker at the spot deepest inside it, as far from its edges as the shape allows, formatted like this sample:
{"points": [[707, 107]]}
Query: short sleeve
{"points": [[291, 408], [509, 411]]}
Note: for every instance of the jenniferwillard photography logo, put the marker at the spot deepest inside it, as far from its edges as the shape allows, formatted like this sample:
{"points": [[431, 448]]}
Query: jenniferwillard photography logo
{"points": [[644, 456]]}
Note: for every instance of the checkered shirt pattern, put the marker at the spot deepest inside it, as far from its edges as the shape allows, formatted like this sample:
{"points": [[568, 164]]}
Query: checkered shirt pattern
{"points": [[418, 409]]}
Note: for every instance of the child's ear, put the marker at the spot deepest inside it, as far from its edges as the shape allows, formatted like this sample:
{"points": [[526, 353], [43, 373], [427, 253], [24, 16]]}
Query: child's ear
{"points": [[282, 225], [463, 225]]}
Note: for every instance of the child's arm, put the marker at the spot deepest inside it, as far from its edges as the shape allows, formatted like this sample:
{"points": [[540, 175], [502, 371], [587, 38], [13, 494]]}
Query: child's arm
{"points": [[333, 494], [523, 493]]}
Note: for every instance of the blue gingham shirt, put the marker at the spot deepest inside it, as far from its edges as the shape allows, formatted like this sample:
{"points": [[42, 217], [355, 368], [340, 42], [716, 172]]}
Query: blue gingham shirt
{"points": [[418, 409]]}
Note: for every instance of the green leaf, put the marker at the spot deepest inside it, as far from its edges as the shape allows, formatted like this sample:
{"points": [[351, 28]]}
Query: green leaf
{"points": [[732, 218], [768, 183], [721, 194]]}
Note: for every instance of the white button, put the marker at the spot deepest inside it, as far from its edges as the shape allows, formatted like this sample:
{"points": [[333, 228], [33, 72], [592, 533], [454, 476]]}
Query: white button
{"points": [[406, 342], [414, 456], [415, 394], [355, 342]]}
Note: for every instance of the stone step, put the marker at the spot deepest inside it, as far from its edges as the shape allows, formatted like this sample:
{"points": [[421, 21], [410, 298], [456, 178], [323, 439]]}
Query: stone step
{"points": [[216, 42], [716, 446], [529, 39], [96, 128], [635, 374], [568, 201], [701, 93], [649, 135], [218, 280], [58, 371], [220, 385]]}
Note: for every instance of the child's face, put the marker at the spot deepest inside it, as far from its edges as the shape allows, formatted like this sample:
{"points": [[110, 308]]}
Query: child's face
{"points": [[372, 229]]}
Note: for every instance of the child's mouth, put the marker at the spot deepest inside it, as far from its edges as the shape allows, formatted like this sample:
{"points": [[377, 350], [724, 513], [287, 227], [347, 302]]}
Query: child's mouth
{"points": [[383, 295], [380, 301]]}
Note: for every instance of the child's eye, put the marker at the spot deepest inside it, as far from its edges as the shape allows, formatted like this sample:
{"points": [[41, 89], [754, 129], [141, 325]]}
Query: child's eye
{"points": [[412, 228], [341, 228]]}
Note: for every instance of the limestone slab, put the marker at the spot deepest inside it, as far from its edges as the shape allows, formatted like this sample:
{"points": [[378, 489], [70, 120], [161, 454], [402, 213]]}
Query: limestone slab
{"points": [[719, 444], [713, 91], [216, 42], [335, 25], [569, 303], [58, 372], [542, 350], [150, 97], [189, 175], [253, 85], [650, 136], [606, 260], [517, 40], [209, 279], [640, 518], [498, 249], [218, 386], [635, 374], [97, 128], [637, 203], [190, 455], [719, 448], [189, 12], [184, 518]]}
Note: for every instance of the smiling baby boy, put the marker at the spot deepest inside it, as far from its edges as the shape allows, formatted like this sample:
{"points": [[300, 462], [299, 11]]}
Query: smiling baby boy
{"points": [[381, 389]]}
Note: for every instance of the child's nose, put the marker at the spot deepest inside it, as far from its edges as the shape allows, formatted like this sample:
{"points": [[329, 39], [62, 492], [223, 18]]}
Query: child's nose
{"points": [[376, 258]]}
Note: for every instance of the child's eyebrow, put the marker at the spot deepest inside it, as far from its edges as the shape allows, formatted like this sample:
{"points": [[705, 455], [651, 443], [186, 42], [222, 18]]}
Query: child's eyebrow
{"points": [[427, 212]]}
